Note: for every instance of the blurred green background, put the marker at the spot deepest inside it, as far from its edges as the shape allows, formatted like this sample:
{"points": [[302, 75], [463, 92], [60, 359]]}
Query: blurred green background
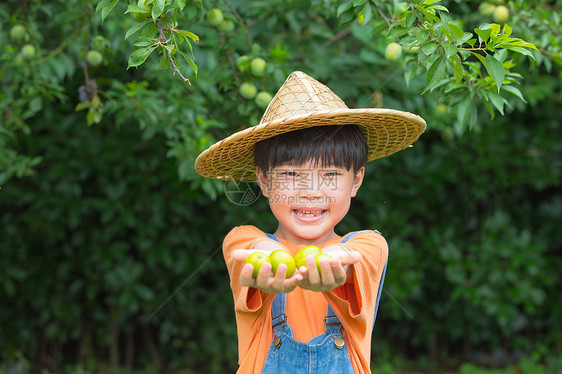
{"points": [[110, 243]]}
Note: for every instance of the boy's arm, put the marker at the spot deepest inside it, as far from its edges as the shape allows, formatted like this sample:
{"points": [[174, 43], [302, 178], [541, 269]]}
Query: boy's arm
{"points": [[361, 259], [266, 281], [250, 294], [334, 273]]}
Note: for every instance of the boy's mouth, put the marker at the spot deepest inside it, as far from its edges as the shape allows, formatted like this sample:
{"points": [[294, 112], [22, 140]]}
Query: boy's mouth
{"points": [[309, 213]]}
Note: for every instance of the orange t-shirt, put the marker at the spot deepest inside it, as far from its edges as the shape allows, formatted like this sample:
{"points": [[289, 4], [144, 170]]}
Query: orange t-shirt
{"points": [[354, 303]]}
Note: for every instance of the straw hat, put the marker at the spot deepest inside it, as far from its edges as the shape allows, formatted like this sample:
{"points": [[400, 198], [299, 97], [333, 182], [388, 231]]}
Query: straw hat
{"points": [[303, 102]]}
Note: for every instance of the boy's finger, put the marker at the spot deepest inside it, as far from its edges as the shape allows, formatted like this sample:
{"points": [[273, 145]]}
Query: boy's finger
{"points": [[240, 254], [312, 271], [350, 257], [246, 278], [279, 279], [262, 280], [340, 275]]}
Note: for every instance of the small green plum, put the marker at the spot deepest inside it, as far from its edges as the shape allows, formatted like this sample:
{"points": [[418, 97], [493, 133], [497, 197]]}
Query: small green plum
{"points": [[256, 259], [282, 257], [248, 90]]}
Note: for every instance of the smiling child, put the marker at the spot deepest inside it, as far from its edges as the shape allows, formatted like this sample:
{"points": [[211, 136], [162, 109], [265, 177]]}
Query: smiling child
{"points": [[308, 155]]}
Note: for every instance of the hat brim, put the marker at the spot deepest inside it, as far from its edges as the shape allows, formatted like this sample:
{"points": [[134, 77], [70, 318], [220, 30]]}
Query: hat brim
{"points": [[387, 131]]}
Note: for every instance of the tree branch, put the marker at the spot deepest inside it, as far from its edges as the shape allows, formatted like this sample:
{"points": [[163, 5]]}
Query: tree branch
{"points": [[162, 40]]}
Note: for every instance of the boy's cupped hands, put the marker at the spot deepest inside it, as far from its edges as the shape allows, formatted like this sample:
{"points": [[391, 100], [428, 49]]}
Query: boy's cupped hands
{"points": [[333, 273]]}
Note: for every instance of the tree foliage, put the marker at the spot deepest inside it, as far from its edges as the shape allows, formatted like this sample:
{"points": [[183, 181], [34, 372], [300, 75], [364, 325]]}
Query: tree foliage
{"points": [[109, 238]]}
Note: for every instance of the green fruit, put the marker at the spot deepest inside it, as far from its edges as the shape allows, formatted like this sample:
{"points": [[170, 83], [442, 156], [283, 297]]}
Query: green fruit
{"points": [[282, 257], [309, 250], [321, 257], [257, 66], [226, 26], [393, 52], [486, 9], [248, 91], [263, 99], [142, 16], [27, 52], [256, 259], [243, 63], [442, 108], [94, 58], [501, 14], [17, 33], [215, 17]]}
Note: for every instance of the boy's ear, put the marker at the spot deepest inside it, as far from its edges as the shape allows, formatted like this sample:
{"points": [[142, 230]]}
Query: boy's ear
{"points": [[261, 178], [357, 181]]}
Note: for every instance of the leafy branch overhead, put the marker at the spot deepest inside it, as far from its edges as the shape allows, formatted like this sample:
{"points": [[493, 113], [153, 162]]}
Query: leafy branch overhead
{"points": [[456, 63], [157, 20], [438, 46], [449, 56]]}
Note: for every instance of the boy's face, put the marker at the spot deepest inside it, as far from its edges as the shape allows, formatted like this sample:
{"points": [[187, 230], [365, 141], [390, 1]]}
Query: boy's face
{"points": [[309, 201]]}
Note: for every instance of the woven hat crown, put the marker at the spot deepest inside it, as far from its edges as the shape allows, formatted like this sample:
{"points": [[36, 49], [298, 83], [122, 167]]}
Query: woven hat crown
{"points": [[300, 94], [303, 102]]}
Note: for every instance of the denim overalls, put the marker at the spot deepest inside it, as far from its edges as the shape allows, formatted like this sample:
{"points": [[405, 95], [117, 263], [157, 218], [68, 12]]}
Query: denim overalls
{"points": [[326, 353]]}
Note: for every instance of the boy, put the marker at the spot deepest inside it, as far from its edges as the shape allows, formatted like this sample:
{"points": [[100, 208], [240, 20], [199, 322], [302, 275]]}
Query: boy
{"points": [[308, 155]]}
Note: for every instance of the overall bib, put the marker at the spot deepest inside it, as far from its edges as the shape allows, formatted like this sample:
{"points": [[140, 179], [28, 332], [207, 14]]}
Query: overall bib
{"points": [[324, 354]]}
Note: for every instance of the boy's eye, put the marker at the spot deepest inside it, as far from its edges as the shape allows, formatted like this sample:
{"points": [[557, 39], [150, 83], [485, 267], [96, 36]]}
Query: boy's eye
{"points": [[290, 173], [331, 174]]}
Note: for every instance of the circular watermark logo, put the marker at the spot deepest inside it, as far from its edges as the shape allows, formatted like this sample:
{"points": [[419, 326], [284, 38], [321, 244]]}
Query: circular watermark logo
{"points": [[245, 192]]}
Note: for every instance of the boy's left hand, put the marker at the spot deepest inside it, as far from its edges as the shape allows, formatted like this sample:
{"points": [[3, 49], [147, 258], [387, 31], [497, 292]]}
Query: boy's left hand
{"points": [[334, 272]]}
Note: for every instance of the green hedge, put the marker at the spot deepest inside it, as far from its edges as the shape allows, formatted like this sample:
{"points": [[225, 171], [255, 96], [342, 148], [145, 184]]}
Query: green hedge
{"points": [[108, 257]]}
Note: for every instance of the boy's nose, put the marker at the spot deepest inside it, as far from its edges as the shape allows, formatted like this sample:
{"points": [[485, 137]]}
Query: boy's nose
{"points": [[309, 192]]}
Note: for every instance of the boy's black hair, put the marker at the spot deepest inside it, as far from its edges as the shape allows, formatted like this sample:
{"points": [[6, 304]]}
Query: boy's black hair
{"points": [[334, 145]]}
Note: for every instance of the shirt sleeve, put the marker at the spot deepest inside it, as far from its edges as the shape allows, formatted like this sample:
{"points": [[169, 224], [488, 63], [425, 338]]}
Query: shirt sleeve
{"points": [[356, 300], [246, 299]]}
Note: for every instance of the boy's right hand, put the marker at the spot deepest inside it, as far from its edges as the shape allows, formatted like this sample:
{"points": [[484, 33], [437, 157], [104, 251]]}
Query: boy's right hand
{"points": [[266, 281]]}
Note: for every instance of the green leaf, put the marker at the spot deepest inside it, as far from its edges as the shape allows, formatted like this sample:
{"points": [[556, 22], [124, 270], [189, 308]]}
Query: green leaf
{"points": [[430, 16], [457, 68], [515, 91], [133, 8], [436, 73], [495, 29], [429, 47], [397, 32], [484, 35], [136, 28], [189, 61], [188, 34], [344, 8], [450, 49], [439, 7], [410, 19], [139, 56], [143, 41], [367, 13], [522, 43], [480, 57], [457, 31], [158, 8], [463, 110], [507, 30], [495, 70], [497, 100], [102, 4], [107, 9], [181, 4]]}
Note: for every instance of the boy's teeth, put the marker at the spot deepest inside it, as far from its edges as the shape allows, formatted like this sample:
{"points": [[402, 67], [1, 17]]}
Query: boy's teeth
{"points": [[309, 212]]}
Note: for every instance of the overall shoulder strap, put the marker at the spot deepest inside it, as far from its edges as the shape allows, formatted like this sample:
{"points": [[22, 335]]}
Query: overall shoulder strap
{"points": [[380, 292], [271, 236]]}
